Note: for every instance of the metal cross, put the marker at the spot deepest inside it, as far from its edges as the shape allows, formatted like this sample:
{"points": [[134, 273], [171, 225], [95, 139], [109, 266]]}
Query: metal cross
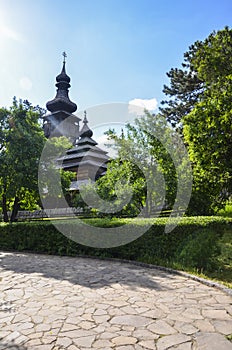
{"points": [[85, 118], [64, 55]]}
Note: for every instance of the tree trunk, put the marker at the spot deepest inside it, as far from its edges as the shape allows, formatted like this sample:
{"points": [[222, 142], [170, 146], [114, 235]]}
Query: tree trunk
{"points": [[15, 210], [4, 208], [146, 212]]}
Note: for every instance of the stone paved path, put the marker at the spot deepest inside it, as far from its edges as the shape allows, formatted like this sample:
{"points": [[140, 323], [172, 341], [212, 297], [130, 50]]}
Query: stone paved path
{"points": [[51, 303]]}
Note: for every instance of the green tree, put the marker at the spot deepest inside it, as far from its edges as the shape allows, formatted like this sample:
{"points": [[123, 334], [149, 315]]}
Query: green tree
{"points": [[146, 151], [21, 142], [184, 91], [208, 127], [205, 63], [122, 188], [54, 182], [200, 105]]}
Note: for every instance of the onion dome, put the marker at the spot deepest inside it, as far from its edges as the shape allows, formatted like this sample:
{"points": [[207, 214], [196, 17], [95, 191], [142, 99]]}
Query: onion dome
{"points": [[86, 131], [63, 76], [62, 102]]}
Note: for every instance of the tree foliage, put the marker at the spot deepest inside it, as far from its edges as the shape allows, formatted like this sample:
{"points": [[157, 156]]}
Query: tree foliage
{"points": [[144, 167], [200, 102], [208, 127], [205, 63], [21, 142], [54, 182]]}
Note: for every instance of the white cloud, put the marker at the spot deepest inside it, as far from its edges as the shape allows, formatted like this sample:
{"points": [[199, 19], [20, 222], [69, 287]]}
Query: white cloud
{"points": [[8, 33], [25, 83], [103, 139], [137, 105], [103, 142]]}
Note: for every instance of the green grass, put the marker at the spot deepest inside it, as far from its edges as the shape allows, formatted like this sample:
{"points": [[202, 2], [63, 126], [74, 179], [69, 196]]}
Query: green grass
{"points": [[229, 337], [227, 211], [224, 273]]}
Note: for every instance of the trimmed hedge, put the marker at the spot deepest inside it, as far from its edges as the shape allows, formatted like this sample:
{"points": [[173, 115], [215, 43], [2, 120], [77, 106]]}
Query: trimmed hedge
{"points": [[193, 243]]}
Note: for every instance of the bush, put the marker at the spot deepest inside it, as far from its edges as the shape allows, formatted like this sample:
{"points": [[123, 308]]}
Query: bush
{"points": [[200, 250], [156, 245]]}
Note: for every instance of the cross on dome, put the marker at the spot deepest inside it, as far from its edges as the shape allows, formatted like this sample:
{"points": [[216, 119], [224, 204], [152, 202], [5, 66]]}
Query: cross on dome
{"points": [[64, 55]]}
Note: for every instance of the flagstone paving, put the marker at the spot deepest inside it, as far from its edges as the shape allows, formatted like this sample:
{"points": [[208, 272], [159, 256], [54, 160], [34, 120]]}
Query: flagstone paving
{"points": [[52, 303]]}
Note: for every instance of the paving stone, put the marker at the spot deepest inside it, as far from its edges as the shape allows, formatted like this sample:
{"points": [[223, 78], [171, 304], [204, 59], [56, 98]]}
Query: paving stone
{"points": [[84, 341], [4, 334], [12, 336], [185, 328], [44, 347], [224, 327], [172, 340], [154, 314], [87, 317], [192, 313], [128, 328], [144, 334], [124, 340], [132, 320], [27, 331], [21, 317], [49, 339], [212, 341], [204, 326], [148, 344], [67, 327], [64, 342], [101, 319], [87, 325], [161, 327], [100, 312], [27, 325], [42, 327], [77, 333], [102, 344], [64, 303], [185, 346], [33, 342], [223, 299], [216, 314], [107, 335], [35, 335], [37, 319], [139, 347]]}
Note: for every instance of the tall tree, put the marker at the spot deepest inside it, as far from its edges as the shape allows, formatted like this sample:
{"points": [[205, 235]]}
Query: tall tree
{"points": [[184, 91], [21, 143], [200, 104], [205, 63], [208, 127]]}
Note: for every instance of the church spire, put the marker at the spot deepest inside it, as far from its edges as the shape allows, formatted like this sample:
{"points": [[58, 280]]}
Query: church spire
{"points": [[64, 55], [62, 101], [85, 131]]}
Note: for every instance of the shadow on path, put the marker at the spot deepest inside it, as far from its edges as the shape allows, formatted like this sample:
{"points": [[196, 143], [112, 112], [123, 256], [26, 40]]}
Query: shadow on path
{"points": [[11, 346], [87, 272]]}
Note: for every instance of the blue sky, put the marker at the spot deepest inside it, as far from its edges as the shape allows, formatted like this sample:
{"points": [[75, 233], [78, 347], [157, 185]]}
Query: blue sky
{"points": [[118, 50]]}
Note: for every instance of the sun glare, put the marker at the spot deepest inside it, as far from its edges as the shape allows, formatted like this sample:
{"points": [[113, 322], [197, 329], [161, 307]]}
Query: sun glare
{"points": [[6, 31]]}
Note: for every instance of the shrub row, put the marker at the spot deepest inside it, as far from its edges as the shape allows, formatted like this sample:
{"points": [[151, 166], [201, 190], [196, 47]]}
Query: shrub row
{"points": [[193, 243]]}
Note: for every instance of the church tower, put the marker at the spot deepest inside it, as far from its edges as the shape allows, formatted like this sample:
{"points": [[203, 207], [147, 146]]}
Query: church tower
{"points": [[87, 160], [60, 120]]}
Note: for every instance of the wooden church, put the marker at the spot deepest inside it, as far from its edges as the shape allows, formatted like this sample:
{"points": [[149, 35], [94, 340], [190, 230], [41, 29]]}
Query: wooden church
{"points": [[88, 161]]}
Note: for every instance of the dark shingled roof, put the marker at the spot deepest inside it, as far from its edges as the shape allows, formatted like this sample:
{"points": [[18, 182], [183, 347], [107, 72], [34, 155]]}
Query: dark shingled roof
{"points": [[62, 101]]}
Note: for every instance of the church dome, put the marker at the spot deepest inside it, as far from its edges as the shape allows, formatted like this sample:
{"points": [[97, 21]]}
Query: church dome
{"points": [[86, 131], [62, 102]]}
